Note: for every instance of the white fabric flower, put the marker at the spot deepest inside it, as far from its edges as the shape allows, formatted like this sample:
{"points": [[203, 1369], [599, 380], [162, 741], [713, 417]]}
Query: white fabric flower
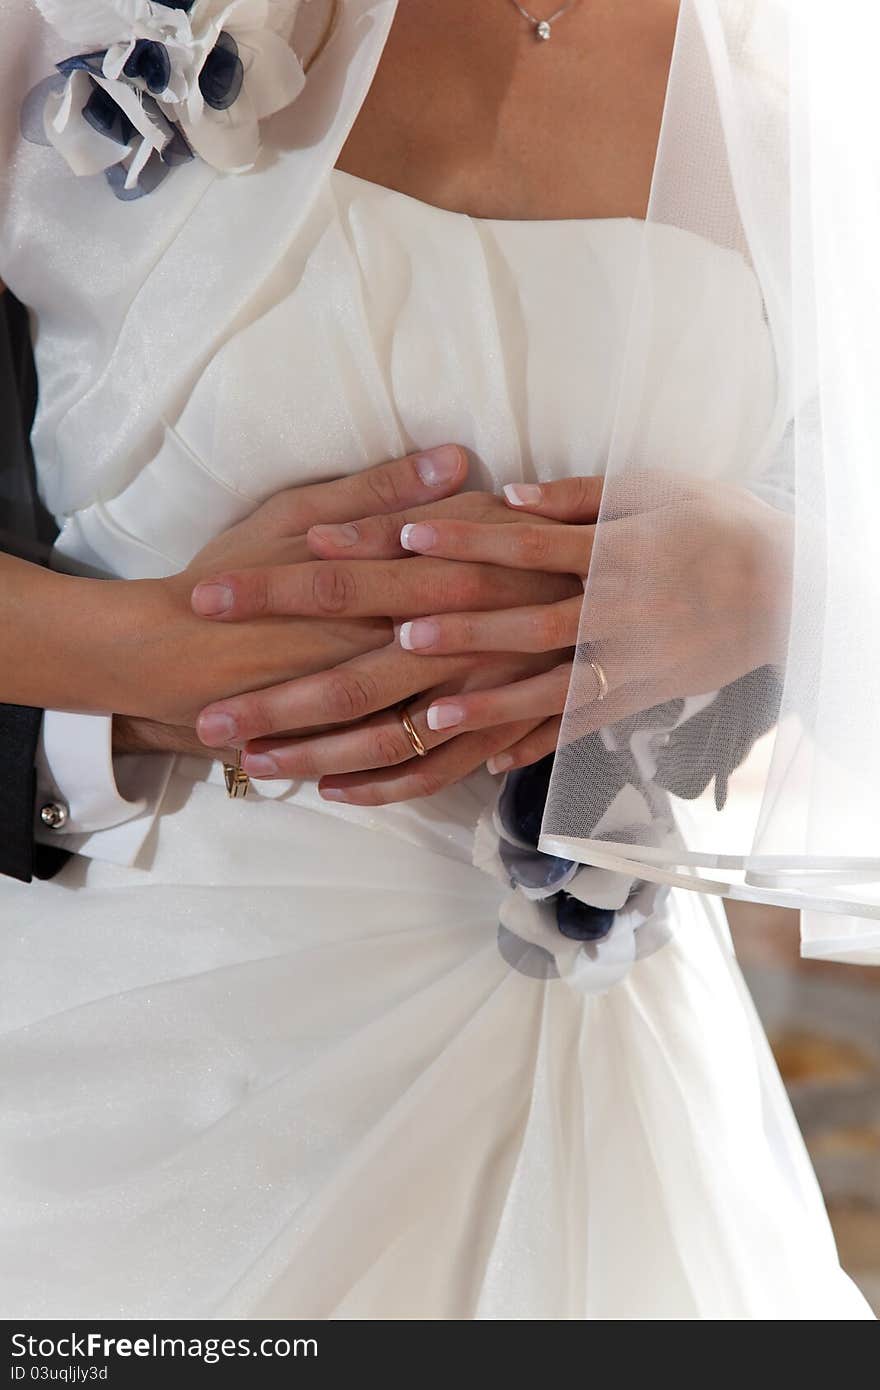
{"points": [[204, 73]]}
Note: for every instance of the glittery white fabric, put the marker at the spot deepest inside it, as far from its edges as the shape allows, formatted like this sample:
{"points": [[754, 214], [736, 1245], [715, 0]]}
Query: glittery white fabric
{"points": [[279, 1068]]}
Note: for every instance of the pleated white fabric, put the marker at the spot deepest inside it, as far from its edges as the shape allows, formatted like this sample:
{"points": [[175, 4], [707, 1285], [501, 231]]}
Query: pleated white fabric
{"points": [[280, 1068], [283, 1071]]}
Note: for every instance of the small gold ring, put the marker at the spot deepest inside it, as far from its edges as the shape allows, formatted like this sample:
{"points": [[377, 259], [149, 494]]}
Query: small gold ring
{"points": [[237, 782], [602, 679], [418, 747]]}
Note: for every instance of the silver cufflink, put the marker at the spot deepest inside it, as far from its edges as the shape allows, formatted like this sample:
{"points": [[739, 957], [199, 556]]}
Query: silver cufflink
{"points": [[54, 815]]}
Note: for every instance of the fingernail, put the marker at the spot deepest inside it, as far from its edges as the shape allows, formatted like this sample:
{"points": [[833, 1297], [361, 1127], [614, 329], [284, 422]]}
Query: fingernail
{"points": [[216, 728], [415, 636], [438, 466], [346, 533], [418, 536], [333, 793], [444, 716], [260, 765], [500, 763], [522, 494], [210, 599]]}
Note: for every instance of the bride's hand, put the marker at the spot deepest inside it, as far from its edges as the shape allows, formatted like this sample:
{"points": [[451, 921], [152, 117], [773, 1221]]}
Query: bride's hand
{"points": [[165, 663], [692, 593]]}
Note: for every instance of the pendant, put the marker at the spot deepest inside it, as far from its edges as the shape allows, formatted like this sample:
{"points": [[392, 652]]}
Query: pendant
{"points": [[542, 30]]}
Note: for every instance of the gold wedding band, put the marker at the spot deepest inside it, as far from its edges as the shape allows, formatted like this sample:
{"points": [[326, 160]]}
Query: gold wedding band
{"points": [[237, 782], [418, 747], [602, 680]]}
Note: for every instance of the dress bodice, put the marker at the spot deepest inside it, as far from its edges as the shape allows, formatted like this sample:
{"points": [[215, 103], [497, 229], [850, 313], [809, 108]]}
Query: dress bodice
{"points": [[392, 325]]}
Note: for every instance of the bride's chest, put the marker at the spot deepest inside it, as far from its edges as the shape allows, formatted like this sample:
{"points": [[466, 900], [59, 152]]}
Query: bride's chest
{"points": [[404, 326]]}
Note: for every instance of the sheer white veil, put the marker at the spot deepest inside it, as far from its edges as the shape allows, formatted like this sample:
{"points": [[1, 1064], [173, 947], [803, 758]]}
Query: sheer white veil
{"points": [[768, 786]]}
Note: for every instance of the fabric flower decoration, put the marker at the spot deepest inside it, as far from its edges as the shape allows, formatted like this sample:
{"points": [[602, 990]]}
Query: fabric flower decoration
{"points": [[588, 925], [564, 919], [156, 84]]}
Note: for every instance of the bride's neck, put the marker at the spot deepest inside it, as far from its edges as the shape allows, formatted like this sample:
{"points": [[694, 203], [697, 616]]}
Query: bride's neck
{"points": [[470, 111]]}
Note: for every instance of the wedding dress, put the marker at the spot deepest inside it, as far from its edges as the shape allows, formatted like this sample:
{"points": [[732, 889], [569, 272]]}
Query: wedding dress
{"points": [[280, 1066]]}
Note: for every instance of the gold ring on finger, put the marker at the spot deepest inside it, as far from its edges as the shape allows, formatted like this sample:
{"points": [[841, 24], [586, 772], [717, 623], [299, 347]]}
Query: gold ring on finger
{"points": [[418, 747], [238, 783], [601, 680]]}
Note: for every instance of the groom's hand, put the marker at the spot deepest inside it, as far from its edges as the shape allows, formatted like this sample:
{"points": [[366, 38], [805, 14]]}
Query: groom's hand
{"points": [[275, 533], [185, 656], [360, 572]]}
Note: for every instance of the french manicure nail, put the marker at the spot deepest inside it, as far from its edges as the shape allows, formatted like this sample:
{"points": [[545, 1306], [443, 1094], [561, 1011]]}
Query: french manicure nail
{"points": [[438, 466], [522, 494], [217, 728], [418, 536], [333, 793], [211, 599], [415, 636], [345, 533], [444, 716], [260, 765], [499, 763]]}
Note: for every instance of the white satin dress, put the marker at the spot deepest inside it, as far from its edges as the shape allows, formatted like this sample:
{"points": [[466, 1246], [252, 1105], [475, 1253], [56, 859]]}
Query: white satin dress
{"points": [[279, 1068]]}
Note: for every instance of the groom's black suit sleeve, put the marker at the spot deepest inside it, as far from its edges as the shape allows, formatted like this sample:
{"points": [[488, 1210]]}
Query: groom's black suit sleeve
{"points": [[26, 531]]}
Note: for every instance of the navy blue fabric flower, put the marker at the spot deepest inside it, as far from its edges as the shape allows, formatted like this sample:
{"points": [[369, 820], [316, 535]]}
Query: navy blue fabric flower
{"points": [[523, 798], [104, 116], [564, 919], [149, 62], [220, 80], [87, 62], [162, 83], [520, 814], [581, 921]]}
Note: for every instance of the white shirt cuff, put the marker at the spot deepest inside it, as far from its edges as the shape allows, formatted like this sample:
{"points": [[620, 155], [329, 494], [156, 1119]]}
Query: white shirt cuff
{"points": [[105, 806]]}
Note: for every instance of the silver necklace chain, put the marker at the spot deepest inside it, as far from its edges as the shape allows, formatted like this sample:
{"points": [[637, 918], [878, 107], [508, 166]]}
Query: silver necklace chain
{"points": [[543, 27]]}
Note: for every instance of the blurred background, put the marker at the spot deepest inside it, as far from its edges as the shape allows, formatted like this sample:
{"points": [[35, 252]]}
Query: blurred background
{"points": [[823, 1022]]}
